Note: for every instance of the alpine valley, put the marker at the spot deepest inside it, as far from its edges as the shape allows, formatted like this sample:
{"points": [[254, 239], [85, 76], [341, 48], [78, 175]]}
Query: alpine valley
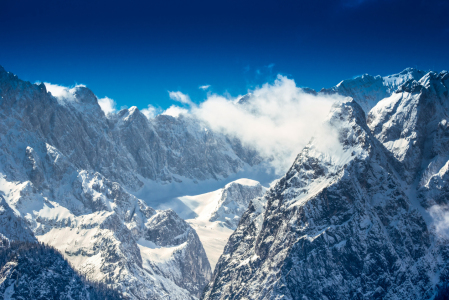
{"points": [[122, 206]]}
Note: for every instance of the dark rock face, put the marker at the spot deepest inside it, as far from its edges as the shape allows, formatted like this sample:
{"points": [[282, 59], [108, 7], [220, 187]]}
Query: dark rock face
{"points": [[12, 227], [36, 271], [124, 147], [168, 229], [351, 224]]}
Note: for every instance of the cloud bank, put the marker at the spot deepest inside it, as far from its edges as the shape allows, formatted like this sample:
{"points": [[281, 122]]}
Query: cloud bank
{"points": [[150, 112], [277, 120], [180, 97], [61, 92], [108, 105], [175, 111]]}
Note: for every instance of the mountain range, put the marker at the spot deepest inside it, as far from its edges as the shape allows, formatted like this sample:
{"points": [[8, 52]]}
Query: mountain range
{"points": [[150, 208], [366, 221]]}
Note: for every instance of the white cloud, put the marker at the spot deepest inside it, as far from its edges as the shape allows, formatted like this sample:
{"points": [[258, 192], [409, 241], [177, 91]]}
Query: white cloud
{"points": [[204, 87], [108, 105], [57, 91], [150, 112], [278, 120], [440, 215], [175, 111], [62, 92], [180, 97]]}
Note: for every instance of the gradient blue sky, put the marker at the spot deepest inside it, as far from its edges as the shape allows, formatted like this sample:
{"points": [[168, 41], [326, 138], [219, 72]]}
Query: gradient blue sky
{"points": [[137, 51]]}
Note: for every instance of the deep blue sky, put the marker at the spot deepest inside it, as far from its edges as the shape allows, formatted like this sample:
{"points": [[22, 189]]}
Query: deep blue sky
{"points": [[135, 51]]}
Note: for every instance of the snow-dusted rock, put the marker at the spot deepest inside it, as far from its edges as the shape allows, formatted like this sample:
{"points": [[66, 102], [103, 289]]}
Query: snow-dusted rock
{"points": [[12, 227], [368, 90], [343, 224], [125, 147], [218, 213], [411, 123], [65, 172], [174, 238], [234, 200]]}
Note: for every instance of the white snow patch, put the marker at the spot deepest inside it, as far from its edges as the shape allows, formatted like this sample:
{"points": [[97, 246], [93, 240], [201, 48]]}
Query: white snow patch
{"points": [[157, 254], [213, 235], [245, 181], [440, 215]]}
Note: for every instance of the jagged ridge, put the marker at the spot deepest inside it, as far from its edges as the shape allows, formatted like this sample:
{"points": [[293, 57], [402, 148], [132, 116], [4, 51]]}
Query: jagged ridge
{"points": [[353, 224]]}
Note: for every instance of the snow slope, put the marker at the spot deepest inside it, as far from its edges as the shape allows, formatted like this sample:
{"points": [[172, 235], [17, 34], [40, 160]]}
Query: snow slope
{"points": [[218, 213]]}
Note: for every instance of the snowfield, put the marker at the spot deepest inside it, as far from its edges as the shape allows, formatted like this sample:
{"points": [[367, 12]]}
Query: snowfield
{"points": [[219, 212]]}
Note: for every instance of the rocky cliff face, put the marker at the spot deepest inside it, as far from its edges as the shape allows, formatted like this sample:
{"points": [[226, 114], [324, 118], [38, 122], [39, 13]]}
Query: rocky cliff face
{"points": [[188, 266], [126, 147], [367, 90], [30, 270], [356, 222], [12, 227], [218, 213], [64, 174], [234, 200]]}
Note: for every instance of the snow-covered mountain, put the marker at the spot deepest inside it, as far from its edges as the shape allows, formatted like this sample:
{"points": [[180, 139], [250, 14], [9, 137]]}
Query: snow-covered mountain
{"points": [[111, 236], [365, 221], [66, 173], [365, 218], [368, 90], [125, 147], [411, 124], [218, 213]]}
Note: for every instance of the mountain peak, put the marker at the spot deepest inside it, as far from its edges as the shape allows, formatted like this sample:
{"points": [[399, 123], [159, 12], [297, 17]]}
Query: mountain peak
{"points": [[333, 220], [410, 86], [411, 70], [84, 95]]}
